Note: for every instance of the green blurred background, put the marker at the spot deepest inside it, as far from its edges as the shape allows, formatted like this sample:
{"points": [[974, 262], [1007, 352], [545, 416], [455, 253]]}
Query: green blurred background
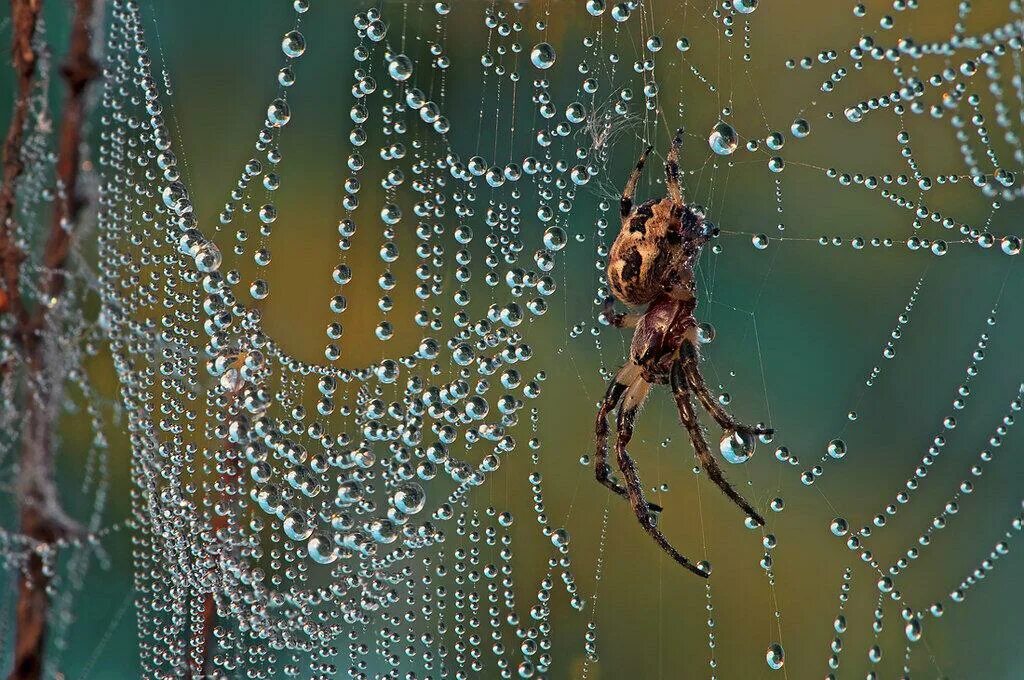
{"points": [[799, 327]]}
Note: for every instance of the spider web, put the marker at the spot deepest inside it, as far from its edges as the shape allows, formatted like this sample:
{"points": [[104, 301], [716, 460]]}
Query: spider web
{"points": [[408, 492]]}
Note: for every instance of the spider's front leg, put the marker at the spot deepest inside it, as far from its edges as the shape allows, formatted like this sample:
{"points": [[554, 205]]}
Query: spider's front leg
{"points": [[694, 380], [618, 319], [626, 202], [700, 443], [672, 170]]}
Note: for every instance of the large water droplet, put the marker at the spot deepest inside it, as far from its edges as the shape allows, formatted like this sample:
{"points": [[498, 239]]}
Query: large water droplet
{"points": [[293, 44], [543, 55], [723, 139], [800, 128], [737, 447], [400, 68]]}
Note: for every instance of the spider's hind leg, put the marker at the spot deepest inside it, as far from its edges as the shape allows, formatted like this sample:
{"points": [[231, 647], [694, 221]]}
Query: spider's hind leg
{"points": [[626, 203], [700, 444], [675, 192], [694, 380], [632, 401], [628, 376]]}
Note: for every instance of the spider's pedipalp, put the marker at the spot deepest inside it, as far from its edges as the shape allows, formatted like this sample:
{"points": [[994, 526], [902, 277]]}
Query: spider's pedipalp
{"points": [[700, 444], [618, 319], [626, 203]]}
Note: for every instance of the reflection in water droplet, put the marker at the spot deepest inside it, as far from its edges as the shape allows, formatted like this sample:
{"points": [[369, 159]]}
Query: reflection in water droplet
{"points": [[543, 55], [723, 139], [293, 44], [737, 447], [400, 68]]}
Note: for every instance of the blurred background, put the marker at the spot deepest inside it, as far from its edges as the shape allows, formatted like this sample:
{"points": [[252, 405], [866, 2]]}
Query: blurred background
{"points": [[799, 327]]}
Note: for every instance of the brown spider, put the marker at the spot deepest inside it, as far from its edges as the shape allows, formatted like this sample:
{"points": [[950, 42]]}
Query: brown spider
{"points": [[651, 264]]}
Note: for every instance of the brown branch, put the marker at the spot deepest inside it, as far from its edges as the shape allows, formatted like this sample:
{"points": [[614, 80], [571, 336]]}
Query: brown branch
{"points": [[24, 18], [42, 519], [78, 71]]}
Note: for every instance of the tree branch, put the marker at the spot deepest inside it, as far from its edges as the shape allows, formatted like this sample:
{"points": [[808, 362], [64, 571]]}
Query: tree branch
{"points": [[78, 71], [43, 520], [24, 19]]}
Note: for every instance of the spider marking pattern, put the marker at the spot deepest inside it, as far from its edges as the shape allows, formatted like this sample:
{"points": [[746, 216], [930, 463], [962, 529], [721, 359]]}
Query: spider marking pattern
{"points": [[651, 263]]}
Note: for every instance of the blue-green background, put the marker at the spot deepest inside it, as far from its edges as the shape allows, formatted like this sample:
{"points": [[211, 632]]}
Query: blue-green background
{"points": [[822, 314]]}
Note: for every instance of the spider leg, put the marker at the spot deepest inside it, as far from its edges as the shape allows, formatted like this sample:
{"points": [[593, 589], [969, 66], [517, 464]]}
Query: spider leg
{"points": [[626, 204], [627, 376], [672, 170], [694, 380], [700, 443], [618, 319], [634, 398]]}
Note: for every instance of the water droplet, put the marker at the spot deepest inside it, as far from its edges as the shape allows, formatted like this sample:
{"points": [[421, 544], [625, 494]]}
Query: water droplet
{"points": [[800, 128], [543, 55], [705, 333], [400, 68], [555, 238], [293, 44], [278, 113], [836, 448], [775, 656], [737, 447], [723, 139]]}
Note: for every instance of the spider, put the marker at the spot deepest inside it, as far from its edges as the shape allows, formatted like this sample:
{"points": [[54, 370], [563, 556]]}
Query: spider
{"points": [[651, 264]]}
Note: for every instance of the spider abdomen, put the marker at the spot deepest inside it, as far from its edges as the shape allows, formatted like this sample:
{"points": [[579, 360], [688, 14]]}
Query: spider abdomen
{"points": [[661, 331]]}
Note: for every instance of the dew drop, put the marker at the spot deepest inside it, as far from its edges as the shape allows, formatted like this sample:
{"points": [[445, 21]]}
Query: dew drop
{"points": [[543, 55], [723, 139], [293, 44], [800, 128], [400, 68], [737, 447]]}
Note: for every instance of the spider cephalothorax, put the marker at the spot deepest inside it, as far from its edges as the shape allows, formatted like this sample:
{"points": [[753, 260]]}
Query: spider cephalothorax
{"points": [[652, 263]]}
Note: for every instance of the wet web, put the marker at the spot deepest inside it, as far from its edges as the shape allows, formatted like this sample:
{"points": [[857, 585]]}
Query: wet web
{"points": [[403, 514]]}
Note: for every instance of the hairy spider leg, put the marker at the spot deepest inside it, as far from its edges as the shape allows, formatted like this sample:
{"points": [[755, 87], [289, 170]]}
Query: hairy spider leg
{"points": [[601, 469], [627, 376], [632, 401], [700, 443], [672, 170], [695, 382], [626, 204]]}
